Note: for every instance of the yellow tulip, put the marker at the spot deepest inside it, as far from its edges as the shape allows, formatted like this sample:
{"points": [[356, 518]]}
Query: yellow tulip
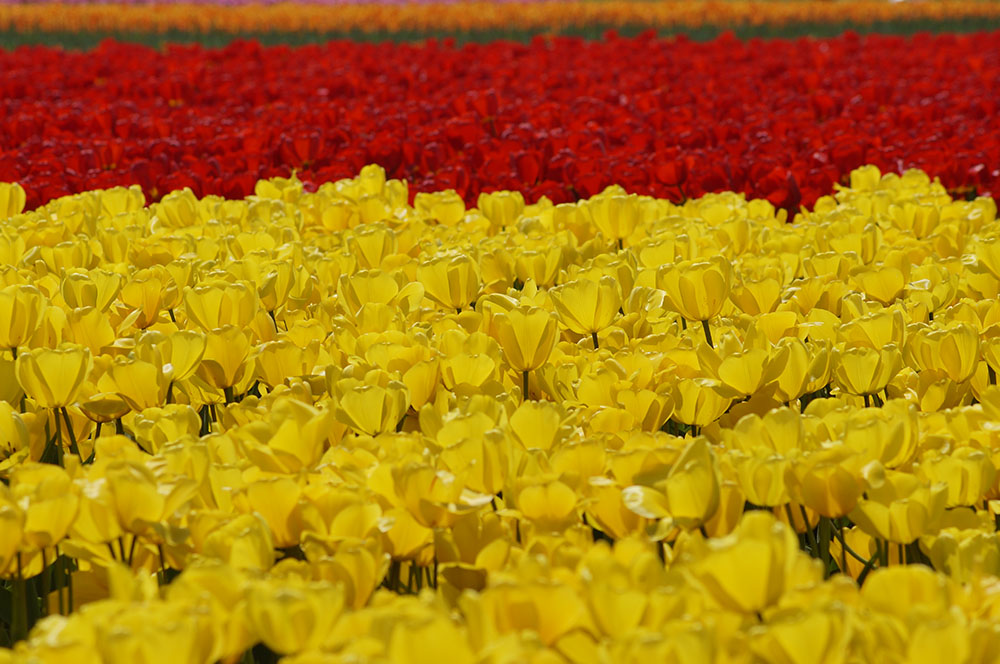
{"points": [[52, 376], [12, 199], [450, 280], [826, 480], [141, 384], [527, 336], [49, 500], [549, 506], [12, 521], [20, 314], [615, 215], [97, 289], [213, 306], [749, 570], [900, 508], [587, 307], [701, 401], [370, 409], [813, 636], [502, 208], [953, 351], [445, 207], [688, 496], [225, 360], [967, 472], [243, 542], [865, 371], [696, 290]]}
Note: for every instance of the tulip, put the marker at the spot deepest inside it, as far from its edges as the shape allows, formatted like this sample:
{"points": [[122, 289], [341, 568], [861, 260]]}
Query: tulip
{"points": [[20, 314], [967, 472], [826, 480], [141, 384], [901, 508], [697, 290], [527, 336], [445, 207], [12, 199], [52, 377], [749, 570], [865, 371], [213, 306], [689, 495], [587, 307], [224, 362], [502, 208], [616, 216], [372, 243], [450, 280], [701, 401], [953, 351]]}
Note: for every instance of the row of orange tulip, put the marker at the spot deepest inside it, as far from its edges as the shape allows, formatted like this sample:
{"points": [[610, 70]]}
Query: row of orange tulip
{"points": [[304, 396], [473, 16]]}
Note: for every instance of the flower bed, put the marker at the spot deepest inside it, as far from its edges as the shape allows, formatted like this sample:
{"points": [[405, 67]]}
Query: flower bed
{"points": [[333, 426], [563, 118]]}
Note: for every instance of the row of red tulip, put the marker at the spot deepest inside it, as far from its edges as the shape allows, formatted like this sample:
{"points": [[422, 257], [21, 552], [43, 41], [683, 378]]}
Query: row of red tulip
{"points": [[560, 117]]}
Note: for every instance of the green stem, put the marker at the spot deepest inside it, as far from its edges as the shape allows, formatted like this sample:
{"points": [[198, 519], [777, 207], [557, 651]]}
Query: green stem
{"points": [[810, 535], [19, 606], [45, 582], [825, 534], [708, 332], [593, 335], [58, 439], [991, 374], [73, 447], [230, 396], [524, 386]]}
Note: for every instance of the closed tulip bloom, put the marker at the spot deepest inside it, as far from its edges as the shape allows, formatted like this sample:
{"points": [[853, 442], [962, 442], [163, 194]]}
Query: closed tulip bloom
{"points": [[52, 376], [865, 371], [527, 336], [371, 409], [501, 208], [953, 350], [97, 288], [689, 496], [811, 636], [12, 199], [450, 280], [20, 314], [587, 307], [445, 207], [827, 481], [225, 358], [550, 506], [701, 401], [141, 384], [49, 499], [218, 305], [749, 570], [615, 215], [967, 472], [697, 290], [901, 508]]}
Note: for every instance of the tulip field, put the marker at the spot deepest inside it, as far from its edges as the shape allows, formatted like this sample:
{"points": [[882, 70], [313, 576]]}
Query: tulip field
{"points": [[572, 348]]}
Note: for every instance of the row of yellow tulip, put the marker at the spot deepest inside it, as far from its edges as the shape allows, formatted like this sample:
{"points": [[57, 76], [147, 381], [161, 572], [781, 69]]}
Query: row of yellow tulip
{"points": [[303, 396], [473, 16]]}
